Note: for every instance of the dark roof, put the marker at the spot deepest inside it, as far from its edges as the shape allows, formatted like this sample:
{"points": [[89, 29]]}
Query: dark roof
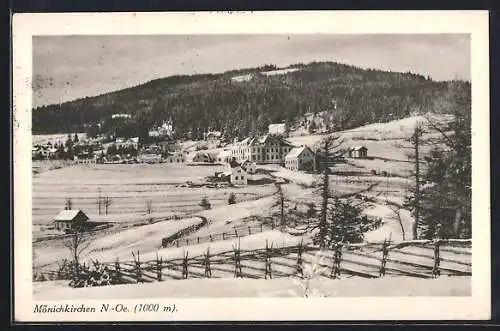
{"points": [[357, 148], [234, 164]]}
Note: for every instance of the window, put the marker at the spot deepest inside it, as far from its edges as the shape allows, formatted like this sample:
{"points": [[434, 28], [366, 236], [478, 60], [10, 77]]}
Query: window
{"points": [[236, 178], [242, 177]]}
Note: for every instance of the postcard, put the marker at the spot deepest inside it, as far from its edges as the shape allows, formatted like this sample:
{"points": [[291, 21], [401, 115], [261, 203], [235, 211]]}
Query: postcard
{"points": [[251, 166]]}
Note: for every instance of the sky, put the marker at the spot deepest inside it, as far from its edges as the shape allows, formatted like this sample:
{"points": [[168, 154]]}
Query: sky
{"points": [[71, 67]]}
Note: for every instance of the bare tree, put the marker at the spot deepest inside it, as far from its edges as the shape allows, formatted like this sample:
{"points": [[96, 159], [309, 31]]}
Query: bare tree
{"points": [[107, 201], [68, 204], [415, 156], [396, 209], [99, 202], [280, 201], [149, 206], [77, 243]]}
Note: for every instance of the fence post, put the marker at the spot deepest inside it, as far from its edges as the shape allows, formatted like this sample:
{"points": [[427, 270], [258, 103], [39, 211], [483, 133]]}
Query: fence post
{"points": [[118, 274], [187, 241], [208, 270], [337, 258], [185, 266], [177, 243], [237, 260], [210, 237], [260, 227], [249, 230], [158, 267], [138, 270], [198, 240], [268, 271], [223, 236], [436, 271], [235, 232], [299, 268], [385, 252]]}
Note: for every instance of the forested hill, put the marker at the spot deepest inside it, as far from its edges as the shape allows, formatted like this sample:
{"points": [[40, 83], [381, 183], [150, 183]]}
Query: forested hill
{"points": [[256, 97]]}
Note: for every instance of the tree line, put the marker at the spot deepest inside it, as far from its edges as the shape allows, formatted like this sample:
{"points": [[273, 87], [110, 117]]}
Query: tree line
{"points": [[351, 97]]}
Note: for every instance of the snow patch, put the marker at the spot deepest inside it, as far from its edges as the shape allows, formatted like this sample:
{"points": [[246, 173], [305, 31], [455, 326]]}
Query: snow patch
{"points": [[279, 71]]}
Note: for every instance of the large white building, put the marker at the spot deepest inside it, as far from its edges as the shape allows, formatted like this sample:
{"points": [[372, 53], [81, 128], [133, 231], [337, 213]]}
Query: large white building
{"points": [[269, 149]]}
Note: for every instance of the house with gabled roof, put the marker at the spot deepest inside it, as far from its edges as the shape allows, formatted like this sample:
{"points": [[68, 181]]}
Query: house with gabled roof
{"points": [[250, 167], [238, 175], [300, 158], [69, 220], [358, 152]]}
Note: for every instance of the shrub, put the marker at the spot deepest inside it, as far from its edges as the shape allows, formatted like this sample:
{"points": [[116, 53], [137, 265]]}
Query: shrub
{"points": [[205, 204], [232, 199]]}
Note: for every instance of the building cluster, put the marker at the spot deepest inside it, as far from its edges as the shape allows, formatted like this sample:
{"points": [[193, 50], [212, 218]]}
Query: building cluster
{"points": [[165, 130]]}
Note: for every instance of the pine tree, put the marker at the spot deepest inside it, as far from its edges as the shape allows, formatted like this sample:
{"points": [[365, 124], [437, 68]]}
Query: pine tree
{"points": [[232, 199], [328, 146], [447, 197], [346, 222], [205, 204]]}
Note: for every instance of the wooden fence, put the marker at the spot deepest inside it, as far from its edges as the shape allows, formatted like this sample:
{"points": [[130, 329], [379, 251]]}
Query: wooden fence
{"points": [[422, 259], [237, 232]]}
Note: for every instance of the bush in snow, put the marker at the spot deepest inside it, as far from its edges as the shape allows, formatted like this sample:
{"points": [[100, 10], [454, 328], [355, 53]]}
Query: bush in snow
{"points": [[205, 204], [232, 199]]}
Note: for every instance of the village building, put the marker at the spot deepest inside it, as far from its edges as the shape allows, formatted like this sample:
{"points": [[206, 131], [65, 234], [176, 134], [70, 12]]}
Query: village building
{"points": [[203, 157], [224, 156], [213, 139], [250, 167], [127, 142], [68, 220], [268, 149], [175, 157], [301, 158], [238, 175], [279, 129], [333, 159], [162, 131], [115, 116], [358, 152]]}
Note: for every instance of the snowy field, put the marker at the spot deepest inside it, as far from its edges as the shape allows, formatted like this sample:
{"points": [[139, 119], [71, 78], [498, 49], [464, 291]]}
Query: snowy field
{"points": [[108, 247], [241, 288], [130, 186]]}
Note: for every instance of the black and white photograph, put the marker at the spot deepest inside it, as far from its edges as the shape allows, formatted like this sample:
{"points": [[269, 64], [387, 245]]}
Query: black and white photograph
{"points": [[250, 165]]}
